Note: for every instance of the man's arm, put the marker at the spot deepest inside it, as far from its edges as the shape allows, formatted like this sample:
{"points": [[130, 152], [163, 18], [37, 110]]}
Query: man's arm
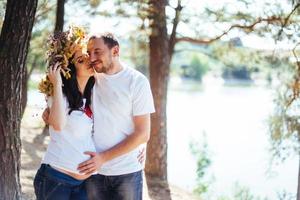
{"points": [[140, 135]]}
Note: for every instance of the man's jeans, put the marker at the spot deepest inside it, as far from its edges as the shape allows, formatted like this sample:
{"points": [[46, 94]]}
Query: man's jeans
{"points": [[122, 187], [50, 184]]}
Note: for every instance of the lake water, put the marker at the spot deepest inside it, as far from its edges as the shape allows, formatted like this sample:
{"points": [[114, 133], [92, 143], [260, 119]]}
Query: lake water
{"points": [[234, 120]]}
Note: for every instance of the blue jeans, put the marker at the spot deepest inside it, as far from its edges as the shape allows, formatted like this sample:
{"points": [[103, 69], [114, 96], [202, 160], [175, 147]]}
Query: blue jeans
{"points": [[122, 187], [50, 184]]}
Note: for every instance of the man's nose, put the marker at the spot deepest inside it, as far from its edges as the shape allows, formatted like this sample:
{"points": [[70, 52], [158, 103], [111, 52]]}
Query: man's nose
{"points": [[92, 58]]}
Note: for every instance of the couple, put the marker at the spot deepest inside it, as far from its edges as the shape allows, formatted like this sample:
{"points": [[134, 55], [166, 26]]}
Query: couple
{"points": [[99, 122]]}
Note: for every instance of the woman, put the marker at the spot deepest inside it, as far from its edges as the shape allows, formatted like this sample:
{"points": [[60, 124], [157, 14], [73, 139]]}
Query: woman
{"points": [[70, 128]]}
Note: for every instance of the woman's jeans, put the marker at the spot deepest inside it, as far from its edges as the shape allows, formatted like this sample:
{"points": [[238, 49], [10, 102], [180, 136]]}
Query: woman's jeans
{"points": [[50, 184]]}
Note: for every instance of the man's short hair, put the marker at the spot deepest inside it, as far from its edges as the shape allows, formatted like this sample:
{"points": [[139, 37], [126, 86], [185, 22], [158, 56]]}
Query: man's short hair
{"points": [[109, 39]]}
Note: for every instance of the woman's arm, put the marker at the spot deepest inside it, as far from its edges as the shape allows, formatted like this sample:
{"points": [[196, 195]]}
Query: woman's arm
{"points": [[57, 115]]}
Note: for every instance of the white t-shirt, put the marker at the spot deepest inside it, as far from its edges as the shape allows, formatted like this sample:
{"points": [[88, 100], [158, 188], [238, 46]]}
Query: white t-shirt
{"points": [[66, 147], [116, 99]]}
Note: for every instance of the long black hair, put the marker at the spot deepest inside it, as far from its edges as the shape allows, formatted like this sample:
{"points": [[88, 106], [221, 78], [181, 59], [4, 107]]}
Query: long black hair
{"points": [[71, 90]]}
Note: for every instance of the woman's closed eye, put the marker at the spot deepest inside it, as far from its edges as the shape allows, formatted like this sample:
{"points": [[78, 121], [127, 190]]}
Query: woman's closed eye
{"points": [[80, 60]]}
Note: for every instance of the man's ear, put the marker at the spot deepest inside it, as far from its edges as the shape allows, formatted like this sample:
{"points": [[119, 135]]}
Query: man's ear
{"points": [[116, 51]]}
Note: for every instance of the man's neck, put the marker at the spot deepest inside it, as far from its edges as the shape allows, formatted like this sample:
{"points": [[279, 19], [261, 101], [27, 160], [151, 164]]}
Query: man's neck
{"points": [[116, 68]]}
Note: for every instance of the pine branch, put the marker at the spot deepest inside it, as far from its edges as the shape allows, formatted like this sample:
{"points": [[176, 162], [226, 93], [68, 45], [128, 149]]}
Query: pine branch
{"points": [[246, 28], [286, 20]]}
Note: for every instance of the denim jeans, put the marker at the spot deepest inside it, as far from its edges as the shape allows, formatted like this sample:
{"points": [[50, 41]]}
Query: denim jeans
{"points": [[122, 187], [50, 184]]}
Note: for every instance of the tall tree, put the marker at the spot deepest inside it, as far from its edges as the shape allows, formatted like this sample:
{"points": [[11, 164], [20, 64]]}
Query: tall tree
{"points": [[60, 13], [14, 43], [156, 163]]}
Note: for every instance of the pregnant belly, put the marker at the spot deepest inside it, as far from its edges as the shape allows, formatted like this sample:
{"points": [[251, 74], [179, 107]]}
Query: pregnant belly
{"points": [[74, 175]]}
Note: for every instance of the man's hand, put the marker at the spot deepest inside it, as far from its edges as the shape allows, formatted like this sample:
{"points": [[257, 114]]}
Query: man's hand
{"points": [[141, 156], [91, 165], [45, 116]]}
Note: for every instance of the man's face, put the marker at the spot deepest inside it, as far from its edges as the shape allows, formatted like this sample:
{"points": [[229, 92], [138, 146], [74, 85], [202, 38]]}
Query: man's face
{"points": [[100, 55]]}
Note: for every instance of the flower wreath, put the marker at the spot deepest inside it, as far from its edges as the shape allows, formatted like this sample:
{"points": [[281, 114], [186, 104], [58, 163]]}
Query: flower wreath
{"points": [[61, 48]]}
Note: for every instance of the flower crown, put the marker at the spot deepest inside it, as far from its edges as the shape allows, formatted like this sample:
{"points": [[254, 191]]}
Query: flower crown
{"points": [[61, 47]]}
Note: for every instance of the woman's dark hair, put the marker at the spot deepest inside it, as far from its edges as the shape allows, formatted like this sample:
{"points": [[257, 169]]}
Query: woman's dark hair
{"points": [[71, 90]]}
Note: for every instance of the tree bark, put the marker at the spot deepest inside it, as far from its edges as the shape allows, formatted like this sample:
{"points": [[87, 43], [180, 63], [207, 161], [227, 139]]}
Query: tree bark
{"points": [[156, 163], [14, 43], [60, 12], [24, 91]]}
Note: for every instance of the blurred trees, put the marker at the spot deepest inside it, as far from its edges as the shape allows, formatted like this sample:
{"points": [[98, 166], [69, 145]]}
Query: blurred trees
{"points": [[284, 122], [195, 70]]}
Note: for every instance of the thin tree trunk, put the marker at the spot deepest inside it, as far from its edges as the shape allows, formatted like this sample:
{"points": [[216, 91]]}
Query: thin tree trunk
{"points": [[60, 12], [156, 163], [59, 26], [14, 43]]}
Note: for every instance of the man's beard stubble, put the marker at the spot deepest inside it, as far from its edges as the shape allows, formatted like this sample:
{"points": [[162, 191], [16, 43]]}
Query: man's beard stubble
{"points": [[104, 68]]}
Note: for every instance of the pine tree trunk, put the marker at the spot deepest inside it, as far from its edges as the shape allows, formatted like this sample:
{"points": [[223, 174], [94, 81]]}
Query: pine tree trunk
{"points": [[24, 91], [60, 12], [156, 163], [14, 43]]}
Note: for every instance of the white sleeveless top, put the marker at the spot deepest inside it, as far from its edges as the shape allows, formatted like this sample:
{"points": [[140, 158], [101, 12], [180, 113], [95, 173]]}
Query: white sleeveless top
{"points": [[66, 147]]}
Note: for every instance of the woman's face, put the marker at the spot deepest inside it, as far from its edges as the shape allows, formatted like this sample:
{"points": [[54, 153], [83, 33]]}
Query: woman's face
{"points": [[81, 62]]}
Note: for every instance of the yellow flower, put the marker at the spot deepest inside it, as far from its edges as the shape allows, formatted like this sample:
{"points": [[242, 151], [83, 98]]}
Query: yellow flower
{"points": [[46, 87]]}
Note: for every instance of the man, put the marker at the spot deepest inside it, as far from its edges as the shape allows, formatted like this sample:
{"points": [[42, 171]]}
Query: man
{"points": [[122, 104]]}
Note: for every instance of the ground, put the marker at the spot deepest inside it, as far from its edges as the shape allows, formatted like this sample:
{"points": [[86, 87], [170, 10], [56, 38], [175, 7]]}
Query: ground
{"points": [[34, 145]]}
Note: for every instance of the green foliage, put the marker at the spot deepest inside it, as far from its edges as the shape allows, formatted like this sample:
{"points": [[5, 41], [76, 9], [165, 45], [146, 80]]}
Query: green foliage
{"points": [[240, 192], [138, 52], [244, 16], [284, 195], [36, 59], [232, 55], [32, 85], [43, 27], [257, 63], [284, 124], [196, 69], [202, 155]]}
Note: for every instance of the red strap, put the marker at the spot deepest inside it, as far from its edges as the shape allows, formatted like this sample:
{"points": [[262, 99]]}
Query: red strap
{"points": [[88, 112]]}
